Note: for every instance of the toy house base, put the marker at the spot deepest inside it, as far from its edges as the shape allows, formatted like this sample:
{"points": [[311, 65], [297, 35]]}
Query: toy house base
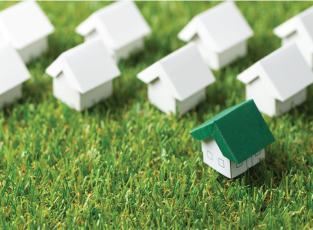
{"points": [[122, 53], [9, 96], [213, 157], [158, 96], [34, 50], [267, 104], [76, 100], [216, 60]]}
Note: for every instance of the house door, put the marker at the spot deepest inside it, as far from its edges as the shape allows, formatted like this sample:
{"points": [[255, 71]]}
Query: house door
{"points": [[249, 162]]}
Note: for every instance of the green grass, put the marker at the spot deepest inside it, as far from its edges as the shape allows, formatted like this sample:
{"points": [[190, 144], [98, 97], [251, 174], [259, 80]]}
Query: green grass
{"points": [[124, 164]]}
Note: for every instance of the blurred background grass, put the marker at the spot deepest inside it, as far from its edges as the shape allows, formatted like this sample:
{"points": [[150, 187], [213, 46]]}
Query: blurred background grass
{"points": [[125, 164]]}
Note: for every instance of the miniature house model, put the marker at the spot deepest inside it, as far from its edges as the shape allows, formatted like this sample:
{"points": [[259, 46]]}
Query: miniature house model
{"points": [[26, 26], [83, 75], [120, 25], [178, 80], [220, 33], [278, 82], [299, 29], [13, 73], [234, 140]]}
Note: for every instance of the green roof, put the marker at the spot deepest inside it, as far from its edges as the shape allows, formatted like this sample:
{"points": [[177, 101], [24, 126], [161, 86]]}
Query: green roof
{"points": [[239, 131]]}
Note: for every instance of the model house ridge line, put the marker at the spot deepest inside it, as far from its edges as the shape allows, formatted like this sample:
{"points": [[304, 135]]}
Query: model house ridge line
{"points": [[85, 72], [13, 73], [179, 79], [26, 26], [220, 34], [234, 140], [278, 81], [299, 29], [120, 25]]}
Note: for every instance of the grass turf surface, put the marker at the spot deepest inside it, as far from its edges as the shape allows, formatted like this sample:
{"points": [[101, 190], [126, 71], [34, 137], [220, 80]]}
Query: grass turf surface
{"points": [[125, 164]]}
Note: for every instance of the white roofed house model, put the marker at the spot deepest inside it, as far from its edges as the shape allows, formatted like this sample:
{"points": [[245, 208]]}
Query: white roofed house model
{"points": [[178, 80], [13, 73], [26, 26], [83, 75], [120, 25], [220, 33], [278, 82], [299, 29]]}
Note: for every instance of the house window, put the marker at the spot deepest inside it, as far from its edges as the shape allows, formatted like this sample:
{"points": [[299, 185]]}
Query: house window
{"points": [[239, 165], [221, 162], [258, 153], [210, 155]]}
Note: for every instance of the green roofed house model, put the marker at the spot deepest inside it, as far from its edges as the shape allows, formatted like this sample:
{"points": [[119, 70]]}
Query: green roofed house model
{"points": [[234, 140]]}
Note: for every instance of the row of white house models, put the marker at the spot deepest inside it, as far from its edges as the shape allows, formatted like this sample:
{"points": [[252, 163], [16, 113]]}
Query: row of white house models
{"points": [[83, 75]]}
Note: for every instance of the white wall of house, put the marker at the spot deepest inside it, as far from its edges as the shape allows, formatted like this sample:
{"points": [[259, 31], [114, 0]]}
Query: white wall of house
{"points": [[64, 92], [213, 157], [127, 50], [34, 50], [218, 61], [210, 58], [122, 53], [76, 100], [267, 104], [290, 38], [159, 96], [91, 35], [189, 103], [237, 169], [257, 91], [96, 95], [303, 39], [9, 96], [295, 100], [232, 54]]}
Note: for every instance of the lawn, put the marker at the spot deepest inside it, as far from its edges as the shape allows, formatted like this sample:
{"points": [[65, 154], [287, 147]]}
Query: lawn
{"points": [[124, 164]]}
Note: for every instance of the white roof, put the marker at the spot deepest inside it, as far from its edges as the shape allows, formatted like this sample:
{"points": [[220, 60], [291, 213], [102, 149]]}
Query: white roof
{"points": [[290, 26], [118, 24], [13, 71], [85, 66], [220, 27], [24, 23], [283, 72], [183, 72]]}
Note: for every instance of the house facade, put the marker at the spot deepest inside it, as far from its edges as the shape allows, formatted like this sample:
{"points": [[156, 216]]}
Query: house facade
{"points": [[13, 73], [178, 81], [166, 102], [120, 25], [233, 142], [83, 75], [278, 82], [220, 34], [26, 27], [214, 158]]}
